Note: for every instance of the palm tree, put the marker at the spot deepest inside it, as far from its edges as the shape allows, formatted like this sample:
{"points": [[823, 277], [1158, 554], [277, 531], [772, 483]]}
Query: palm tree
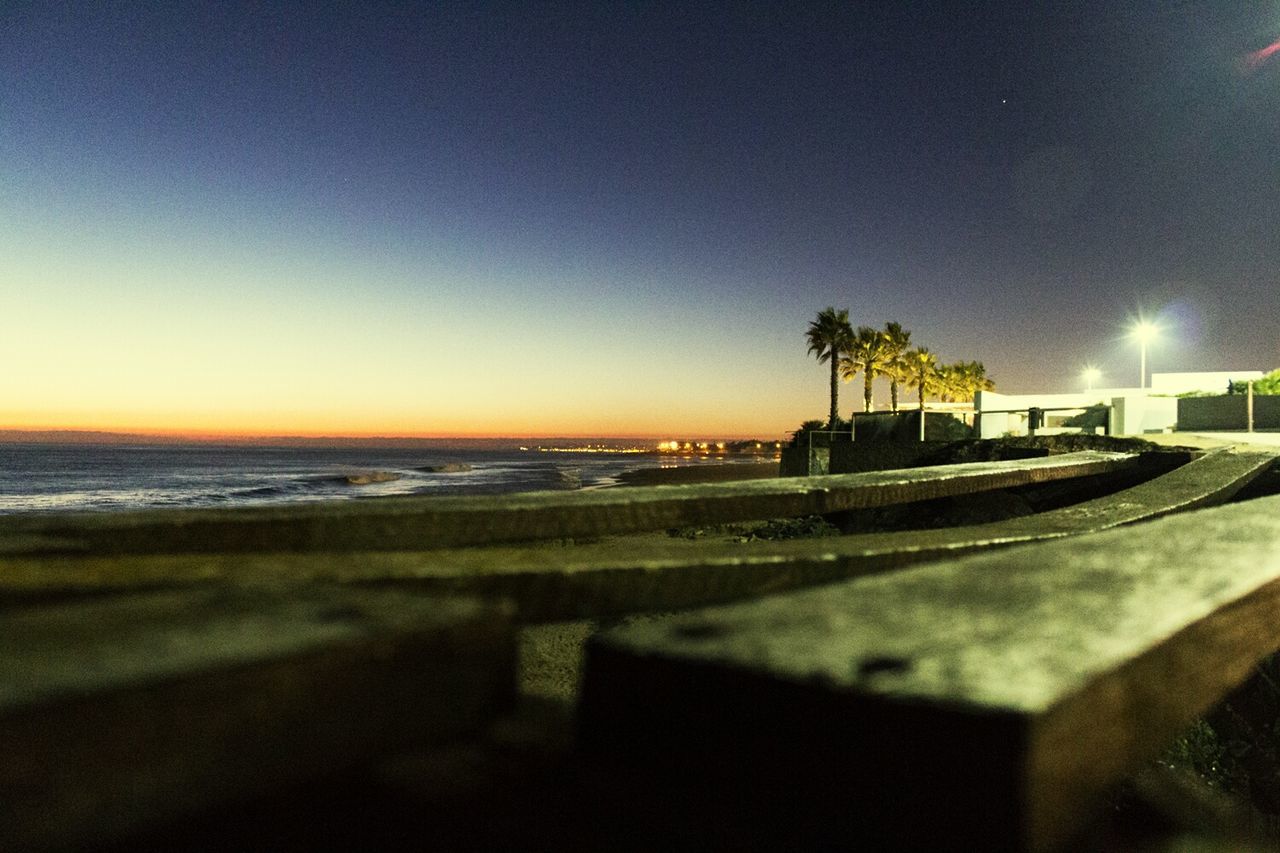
{"points": [[896, 366], [972, 378], [924, 372], [866, 355], [949, 382], [829, 336], [962, 380]]}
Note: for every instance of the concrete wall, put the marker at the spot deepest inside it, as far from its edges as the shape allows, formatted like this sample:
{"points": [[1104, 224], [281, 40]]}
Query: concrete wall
{"points": [[857, 456], [796, 462], [884, 441], [1227, 412], [1147, 414]]}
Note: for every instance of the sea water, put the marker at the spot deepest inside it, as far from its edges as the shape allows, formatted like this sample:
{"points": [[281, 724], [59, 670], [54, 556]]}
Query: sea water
{"points": [[80, 477]]}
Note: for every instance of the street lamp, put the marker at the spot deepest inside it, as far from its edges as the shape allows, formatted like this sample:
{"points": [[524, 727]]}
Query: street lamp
{"points": [[1145, 332], [1090, 375]]}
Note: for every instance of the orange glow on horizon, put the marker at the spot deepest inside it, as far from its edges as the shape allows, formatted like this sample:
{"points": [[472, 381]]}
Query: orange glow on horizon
{"points": [[254, 431], [239, 347]]}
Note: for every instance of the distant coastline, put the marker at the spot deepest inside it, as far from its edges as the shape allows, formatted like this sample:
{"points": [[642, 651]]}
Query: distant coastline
{"points": [[552, 443]]}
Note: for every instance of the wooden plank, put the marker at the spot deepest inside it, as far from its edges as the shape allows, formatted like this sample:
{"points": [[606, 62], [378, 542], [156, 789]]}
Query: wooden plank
{"points": [[983, 703], [625, 576], [415, 523], [119, 712]]}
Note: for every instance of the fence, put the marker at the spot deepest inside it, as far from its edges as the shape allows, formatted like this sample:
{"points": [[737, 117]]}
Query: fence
{"points": [[384, 673], [1051, 420]]}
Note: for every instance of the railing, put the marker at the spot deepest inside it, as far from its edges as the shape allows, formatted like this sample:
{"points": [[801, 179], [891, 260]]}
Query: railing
{"points": [[412, 664], [1036, 416]]}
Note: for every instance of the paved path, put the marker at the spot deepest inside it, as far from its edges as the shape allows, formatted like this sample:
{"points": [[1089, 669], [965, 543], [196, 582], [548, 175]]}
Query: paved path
{"points": [[1207, 440]]}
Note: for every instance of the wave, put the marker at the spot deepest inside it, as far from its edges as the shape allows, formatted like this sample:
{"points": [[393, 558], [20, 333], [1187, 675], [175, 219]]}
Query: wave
{"points": [[368, 478], [116, 478], [261, 492]]}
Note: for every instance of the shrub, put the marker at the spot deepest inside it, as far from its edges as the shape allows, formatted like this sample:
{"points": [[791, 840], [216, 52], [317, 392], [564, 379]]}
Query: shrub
{"points": [[800, 438], [1269, 385]]}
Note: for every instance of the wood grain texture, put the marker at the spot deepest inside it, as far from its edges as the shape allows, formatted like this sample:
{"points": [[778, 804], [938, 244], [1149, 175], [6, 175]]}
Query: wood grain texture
{"points": [[986, 701], [123, 712]]}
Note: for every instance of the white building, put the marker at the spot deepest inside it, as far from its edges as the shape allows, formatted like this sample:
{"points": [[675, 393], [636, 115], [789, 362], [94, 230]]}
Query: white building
{"points": [[1133, 411]]}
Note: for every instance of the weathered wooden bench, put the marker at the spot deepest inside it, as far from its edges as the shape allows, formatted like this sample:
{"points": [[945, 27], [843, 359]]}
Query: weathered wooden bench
{"points": [[156, 665], [980, 703]]}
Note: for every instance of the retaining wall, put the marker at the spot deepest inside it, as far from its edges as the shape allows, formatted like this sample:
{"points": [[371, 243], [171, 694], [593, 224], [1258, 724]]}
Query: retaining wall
{"points": [[1227, 412]]}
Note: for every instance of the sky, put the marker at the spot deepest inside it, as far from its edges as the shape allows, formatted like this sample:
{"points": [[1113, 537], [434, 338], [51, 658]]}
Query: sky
{"points": [[595, 219]]}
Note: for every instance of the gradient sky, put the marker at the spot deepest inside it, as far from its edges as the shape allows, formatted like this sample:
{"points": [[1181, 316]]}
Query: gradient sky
{"points": [[615, 219]]}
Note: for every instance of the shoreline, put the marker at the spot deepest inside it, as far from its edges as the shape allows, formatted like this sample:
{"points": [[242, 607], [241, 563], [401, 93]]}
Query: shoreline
{"points": [[712, 472]]}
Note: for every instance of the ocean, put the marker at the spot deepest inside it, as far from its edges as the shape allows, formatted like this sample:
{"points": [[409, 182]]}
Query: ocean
{"points": [[105, 477]]}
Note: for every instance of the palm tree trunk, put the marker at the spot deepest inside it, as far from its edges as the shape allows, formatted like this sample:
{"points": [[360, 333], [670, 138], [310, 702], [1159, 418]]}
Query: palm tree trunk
{"points": [[893, 394], [868, 378], [835, 390]]}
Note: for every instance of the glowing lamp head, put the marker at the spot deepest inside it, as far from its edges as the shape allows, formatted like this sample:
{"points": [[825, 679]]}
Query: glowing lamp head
{"points": [[1091, 375], [1144, 331]]}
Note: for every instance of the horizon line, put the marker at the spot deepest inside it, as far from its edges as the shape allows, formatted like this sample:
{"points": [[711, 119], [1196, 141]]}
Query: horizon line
{"points": [[204, 437]]}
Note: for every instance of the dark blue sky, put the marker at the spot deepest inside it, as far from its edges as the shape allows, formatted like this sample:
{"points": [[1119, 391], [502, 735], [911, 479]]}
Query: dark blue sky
{"points": [[665, 185]]}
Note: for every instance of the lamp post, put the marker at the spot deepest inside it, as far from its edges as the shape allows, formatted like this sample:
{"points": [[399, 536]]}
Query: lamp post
{"points": [[1090, 375], [1145, 332]]}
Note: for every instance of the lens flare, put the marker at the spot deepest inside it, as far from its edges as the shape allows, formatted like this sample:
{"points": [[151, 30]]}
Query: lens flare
{"points": [[1253, 61]]}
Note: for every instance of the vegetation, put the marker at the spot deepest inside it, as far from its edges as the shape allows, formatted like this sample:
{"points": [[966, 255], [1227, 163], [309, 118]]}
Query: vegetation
{"points": [[776, 530], [872, 352], [1235, 747], [896, 366], [962, 381], [923, 372], [782, 529], [829, 336], [868, 353], [1269, 385], [800, 437]]}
